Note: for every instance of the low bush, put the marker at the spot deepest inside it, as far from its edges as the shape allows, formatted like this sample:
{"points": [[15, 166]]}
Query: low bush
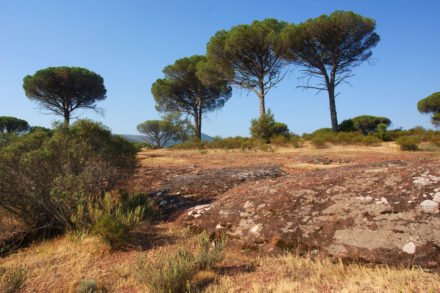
{"points": [[208, 253], [112, 216], [191, 144], [265, 128], [141, 145], [169, 273], [371, 140], [178, 271], [13, 279], [87, 286], [319, 142], [46, 176], [321, 137], [243, 143], [408, 143]]}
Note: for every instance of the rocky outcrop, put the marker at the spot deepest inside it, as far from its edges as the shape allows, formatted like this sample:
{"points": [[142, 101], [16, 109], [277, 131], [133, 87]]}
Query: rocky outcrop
{"points": [[386, 212], [189, 189]]}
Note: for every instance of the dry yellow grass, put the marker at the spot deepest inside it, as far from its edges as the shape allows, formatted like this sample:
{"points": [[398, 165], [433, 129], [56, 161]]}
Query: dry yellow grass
{"points": [[58, 265], [292, 273]]}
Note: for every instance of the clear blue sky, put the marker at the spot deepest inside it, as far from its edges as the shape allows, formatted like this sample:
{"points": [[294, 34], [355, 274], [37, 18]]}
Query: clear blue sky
{"points": [[129, 43]]}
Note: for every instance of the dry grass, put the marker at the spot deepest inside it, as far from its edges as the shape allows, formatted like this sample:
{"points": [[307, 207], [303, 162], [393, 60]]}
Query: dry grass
{"points": [[287, 157], [291, 273], [58, 266]]}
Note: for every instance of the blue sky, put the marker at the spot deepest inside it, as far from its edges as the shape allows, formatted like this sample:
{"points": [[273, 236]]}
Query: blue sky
{"points": [[130, 42]]}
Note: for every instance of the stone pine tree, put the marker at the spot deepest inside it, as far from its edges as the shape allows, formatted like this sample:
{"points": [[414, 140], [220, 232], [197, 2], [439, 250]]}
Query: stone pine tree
{"points": [[247, 56], [158, 132], [13, 125], [329, 48], [431, 105], [62, 90], [181, 90]]}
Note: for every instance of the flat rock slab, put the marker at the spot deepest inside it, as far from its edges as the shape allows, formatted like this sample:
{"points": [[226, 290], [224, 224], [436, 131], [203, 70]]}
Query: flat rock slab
{"points": [[378, 212], [212, 182]]}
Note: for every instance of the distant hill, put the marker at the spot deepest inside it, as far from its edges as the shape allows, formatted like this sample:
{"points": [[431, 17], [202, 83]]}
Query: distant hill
{"points": [[141, 138]]}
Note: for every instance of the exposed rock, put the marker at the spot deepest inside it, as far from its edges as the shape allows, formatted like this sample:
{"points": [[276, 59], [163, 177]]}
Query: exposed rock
{"points": [[373, 212], [430, 207], [212, 182], [409, 248]]}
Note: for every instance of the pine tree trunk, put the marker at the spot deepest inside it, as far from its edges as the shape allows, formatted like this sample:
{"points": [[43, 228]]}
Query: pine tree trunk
{"points": [[198, 124], [261, 98], [333, 113], [66, 118]]}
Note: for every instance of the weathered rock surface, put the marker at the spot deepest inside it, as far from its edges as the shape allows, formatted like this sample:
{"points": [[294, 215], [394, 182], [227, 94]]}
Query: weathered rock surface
{"points": [[384, 212], [189, 189], [212, 182]]}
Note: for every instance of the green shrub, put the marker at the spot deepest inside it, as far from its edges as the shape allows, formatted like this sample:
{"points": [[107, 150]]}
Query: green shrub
{"points": [[13, 279], [347, 126], [263, 128], [208, 253], [46, 176], [371, 140], [369, 124], [296, 141], [140, 145], [280, 140], [112, 216], [175, 272], [111, 229], [87, 286], [408, 143], [382, 132], [319, 142], [280, 129], [191, 144], [264, 147], [167, 273]]}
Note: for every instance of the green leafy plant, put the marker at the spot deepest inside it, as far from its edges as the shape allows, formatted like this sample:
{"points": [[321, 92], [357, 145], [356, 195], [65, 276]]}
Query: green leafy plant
{"points": [[178, 270], [77, 165], [408, 143], [169, 273], [319, 142]]}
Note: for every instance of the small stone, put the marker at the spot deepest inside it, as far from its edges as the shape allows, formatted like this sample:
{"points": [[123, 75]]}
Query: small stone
{"points": [[409, 248], [248, 205], [219, 226], [256, 230], [436, 197], [430, 207]]}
